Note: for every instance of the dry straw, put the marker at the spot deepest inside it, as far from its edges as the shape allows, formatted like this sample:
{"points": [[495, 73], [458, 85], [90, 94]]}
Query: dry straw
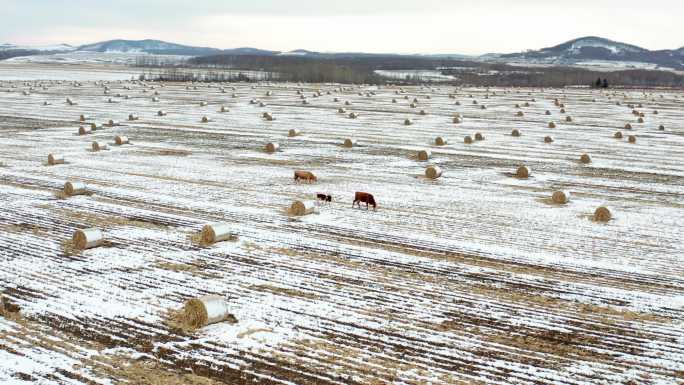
{"points": [[602, 214], [54, 159], [522, 172], [301, 208], [424, 155], [271, 147], [75, 188], [87, 239], [433, 172], [560, 197], [585, 158]]}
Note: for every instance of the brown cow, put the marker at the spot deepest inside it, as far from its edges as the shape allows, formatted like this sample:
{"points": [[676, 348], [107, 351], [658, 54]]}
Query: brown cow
{"points": [[365, 198], [305, 175]]}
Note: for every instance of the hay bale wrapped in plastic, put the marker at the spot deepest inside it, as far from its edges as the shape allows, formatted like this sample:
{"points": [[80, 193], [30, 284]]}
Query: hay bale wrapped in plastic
{"points": [[441, 141], [353, 115], [268, 116], [216, 232], [468, 139], [132, 117], [560, 197], [223, 109], [54, 159], [300, 208], [424, 155], [84, 131], [161, 113], [433, 172], [75, 188], [205, 119], [203, 311], [97, 146], [87, 239], [271, 147], [294, 132], [120, 140]]}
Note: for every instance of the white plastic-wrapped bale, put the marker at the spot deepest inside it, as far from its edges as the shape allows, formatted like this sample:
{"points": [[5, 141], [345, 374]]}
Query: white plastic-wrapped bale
{"points": [[216, 232], [203, 311], [268, 116], [223, 109], [271, 147], [342, 110], [75, 188], [300, 208], [203, 104], [155, 99], [87, 238], [560, 197], [112, 123], [424, 155], [120, 140], [349, 142], [161, 113], [54, 159], [440, 141], [294, 132], [433, 172], [96, 146], [132, 117]]}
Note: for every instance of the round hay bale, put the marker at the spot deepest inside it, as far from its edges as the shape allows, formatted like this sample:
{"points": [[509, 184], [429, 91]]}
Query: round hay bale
{"points": [[84, 131], [602, 214], [517, 105], [560, 197], [82, 118], [479, 136], [585, 158], [440, 141], [548, 139], [562, 111], [203, 104], [661, 127], [342, 110], [617, 135], [457, 103], [547, 112], [483, 107], [552, 124], [423, 112], [468, 139], [203, 311], [223, 109], [457, 120], [413, 105], [215, 232], [161, 113], [132, 117], [300, 208], [433, 172], [155, 99], [349, 142], [424, 155], [54, 159], [268, 116], [262, 104], [294, 132], [515, 132], [112, 123], [75, 188], [568, 119], [271, 147], [655, 112], [347, 103], [87, 239], [394, 100], [408, 122], [205, 119], [631, 139], [640, 120], [98, 147], [353, 115], [520, 114], [120, 140], [628, 126], [522, 172]]}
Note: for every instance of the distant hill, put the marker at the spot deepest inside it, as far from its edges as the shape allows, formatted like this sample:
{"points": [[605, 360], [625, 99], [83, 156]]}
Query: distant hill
{"points": [[148, 46], [592, 48]]}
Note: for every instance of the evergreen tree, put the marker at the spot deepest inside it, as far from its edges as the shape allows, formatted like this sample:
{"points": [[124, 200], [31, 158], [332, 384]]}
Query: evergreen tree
{"points": [[598, 83], [605, 83]]}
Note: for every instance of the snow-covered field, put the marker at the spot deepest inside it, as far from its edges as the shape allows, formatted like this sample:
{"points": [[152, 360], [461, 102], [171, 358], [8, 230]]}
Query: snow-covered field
{"points": [[472, 278]]}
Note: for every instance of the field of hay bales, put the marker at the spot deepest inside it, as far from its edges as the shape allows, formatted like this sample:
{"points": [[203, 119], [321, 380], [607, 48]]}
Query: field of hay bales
{"points": [[475, 276]]}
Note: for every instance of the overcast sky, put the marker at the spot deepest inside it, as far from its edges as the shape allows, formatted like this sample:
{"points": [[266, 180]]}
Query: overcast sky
{"points": [[416, 26]]}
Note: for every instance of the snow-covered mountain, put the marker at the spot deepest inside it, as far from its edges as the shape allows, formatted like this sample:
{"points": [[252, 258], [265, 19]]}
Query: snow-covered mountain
{"points": [[41, 48], [156, 47], [592, 48]]}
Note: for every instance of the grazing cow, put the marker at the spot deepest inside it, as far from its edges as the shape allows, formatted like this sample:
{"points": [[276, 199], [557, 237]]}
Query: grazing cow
{"points": [[324, 197], [366, 198], [305, 175]]}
